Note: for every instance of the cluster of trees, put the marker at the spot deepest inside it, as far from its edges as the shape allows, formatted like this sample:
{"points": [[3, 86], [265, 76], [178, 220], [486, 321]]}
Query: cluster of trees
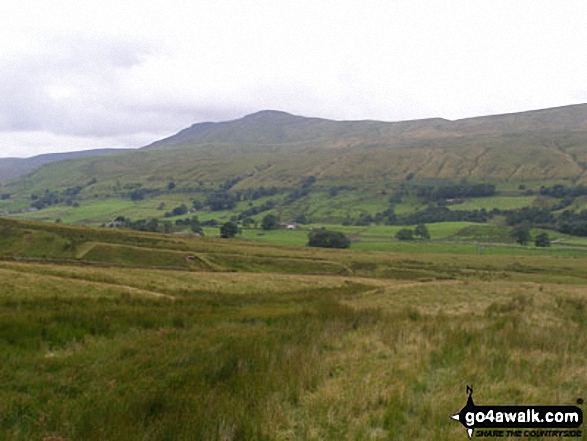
{"points": [[333, 191], [269, 205], [73, 191], [301, 192], [49, 198], [568, 222], [421, 231], [156, 226], [521, 233], [52, 198], [527, 215], [531, 215], [231, 229], [194, 224], [256, 193], [573, 223], [151, 225], [433, 214], [387, 217], [228, 184], [363, 220], [562, 191], [574, 229], [45, 200], [221, 200], [140, 194], [442, 192]]}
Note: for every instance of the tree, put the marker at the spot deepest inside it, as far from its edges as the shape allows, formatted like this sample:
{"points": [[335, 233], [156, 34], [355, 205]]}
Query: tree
{"points": [[270, 222], [195, 226], [521, 233], [324, 238], [422, 231], [228, 230], [542, 240], [197, 229], [404, 234]]}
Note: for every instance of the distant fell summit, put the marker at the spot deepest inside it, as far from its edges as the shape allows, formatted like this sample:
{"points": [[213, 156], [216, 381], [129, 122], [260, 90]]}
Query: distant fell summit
{"points": [[272, 127]]}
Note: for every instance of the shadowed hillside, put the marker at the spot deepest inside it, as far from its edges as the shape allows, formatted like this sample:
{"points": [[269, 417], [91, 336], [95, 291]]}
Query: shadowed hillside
{"points": [[273, 127], [11, 168], [270, 127]]}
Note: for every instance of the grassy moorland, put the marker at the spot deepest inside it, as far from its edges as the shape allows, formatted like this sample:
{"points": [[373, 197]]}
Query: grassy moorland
{"points": [[110, 335]]}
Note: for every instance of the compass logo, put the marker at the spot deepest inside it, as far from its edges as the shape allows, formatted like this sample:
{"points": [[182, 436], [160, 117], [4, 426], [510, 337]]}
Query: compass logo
{"points": [[502, 421]]}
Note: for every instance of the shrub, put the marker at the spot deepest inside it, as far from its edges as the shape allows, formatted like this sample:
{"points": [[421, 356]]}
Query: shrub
{"points": [[404, 234]]}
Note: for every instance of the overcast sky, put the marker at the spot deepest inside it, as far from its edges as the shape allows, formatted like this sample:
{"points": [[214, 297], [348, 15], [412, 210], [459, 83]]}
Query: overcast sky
{"points": [[77, 75]]}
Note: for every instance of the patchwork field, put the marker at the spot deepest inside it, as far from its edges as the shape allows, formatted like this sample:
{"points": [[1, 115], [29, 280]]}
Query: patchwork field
{"points": [[111, 335]]}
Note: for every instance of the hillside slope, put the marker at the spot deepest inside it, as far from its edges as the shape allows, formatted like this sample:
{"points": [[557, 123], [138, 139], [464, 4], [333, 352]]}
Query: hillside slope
{"points": [[276, 149]]}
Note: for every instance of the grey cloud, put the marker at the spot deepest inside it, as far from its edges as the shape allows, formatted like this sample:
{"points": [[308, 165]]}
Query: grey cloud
{"points": [[92, 68]]}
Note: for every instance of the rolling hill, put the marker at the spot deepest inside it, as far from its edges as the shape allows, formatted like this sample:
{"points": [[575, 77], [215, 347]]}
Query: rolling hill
{"points": [[276, 149]]}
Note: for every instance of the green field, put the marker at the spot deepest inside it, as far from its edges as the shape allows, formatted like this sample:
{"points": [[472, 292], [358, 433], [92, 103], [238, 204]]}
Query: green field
{"points": [[499, 202], [446, 237]]}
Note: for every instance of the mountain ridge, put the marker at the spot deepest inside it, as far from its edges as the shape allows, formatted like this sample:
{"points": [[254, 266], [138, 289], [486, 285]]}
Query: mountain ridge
{"points": [[278, 127]]}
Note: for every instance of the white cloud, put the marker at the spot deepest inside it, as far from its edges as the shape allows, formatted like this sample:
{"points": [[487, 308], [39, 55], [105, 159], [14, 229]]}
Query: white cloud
{"points": [[32, 143], [90, 73]]}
